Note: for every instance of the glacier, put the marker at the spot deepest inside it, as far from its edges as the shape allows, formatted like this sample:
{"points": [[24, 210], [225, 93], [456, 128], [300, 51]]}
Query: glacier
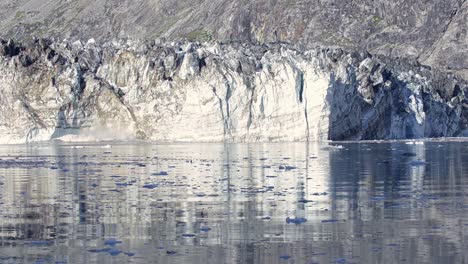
{"points": [[220, 92]]}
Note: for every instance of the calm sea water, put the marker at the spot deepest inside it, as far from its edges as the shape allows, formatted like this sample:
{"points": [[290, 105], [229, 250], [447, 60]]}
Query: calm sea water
{"points": [[234, 203]]}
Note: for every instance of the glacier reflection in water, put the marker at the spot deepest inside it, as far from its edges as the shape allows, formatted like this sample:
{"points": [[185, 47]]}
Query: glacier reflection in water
{"points": [[388, 202]]}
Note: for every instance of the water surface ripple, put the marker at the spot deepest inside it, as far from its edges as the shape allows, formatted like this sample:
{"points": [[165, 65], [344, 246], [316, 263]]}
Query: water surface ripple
{"points": [[393, 202]]}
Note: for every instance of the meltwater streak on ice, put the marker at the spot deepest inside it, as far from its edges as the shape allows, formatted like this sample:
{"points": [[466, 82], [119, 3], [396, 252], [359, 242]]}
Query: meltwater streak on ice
{"points": [[235, 203]]}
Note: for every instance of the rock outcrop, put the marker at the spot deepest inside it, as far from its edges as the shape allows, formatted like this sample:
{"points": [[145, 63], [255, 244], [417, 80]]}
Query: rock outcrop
{"points": [[433, 32], [220, 92]]}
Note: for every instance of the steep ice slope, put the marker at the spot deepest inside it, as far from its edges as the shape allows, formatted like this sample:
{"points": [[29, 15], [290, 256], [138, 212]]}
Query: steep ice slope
{"points": [[217, 92]]}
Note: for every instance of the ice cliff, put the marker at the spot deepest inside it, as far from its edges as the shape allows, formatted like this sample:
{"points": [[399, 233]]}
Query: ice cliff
{"points": [[220, 92]]}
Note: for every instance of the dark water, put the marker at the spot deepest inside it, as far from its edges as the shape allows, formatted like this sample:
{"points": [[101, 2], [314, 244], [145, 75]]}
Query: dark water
{"points": [[238, 203]]}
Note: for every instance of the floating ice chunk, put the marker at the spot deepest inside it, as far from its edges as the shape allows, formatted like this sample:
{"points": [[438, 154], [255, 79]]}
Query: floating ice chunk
{"points": [[302, 200], [296, 221], [286, 167], [333, 147], [99, 250], [111, 242], [150, 186], [340, 261], [161, 173], [78, 147], [114, 251]]}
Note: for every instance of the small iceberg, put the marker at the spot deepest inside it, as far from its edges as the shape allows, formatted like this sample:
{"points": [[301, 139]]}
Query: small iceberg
{"points": [[296, 221]]}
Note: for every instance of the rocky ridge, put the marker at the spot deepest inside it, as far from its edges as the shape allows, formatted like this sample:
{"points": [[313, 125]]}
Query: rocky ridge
{"points": [[235, 92], [433, 32]]}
